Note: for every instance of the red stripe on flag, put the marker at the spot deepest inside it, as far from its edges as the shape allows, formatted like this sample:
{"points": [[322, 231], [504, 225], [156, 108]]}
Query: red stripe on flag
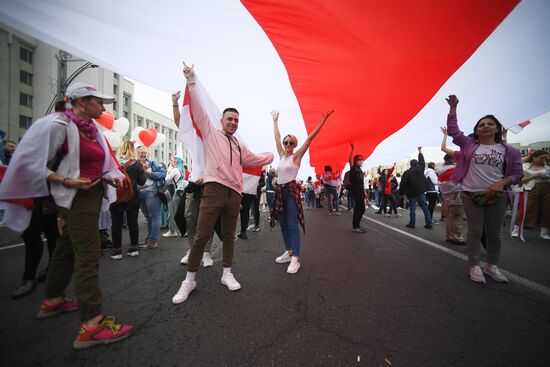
{"points": [[187, 101], [255, 171], [525, 123]]}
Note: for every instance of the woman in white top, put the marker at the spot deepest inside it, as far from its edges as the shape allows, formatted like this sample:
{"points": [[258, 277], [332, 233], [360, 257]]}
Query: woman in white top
{"points": [[287, 206], [536, 180]]}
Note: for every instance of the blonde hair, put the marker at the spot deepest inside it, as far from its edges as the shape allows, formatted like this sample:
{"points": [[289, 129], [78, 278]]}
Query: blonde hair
{"points": [[127, 149]]}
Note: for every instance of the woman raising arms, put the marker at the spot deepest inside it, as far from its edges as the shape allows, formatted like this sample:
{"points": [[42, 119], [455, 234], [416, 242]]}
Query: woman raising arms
{"points": [[287, 208]]}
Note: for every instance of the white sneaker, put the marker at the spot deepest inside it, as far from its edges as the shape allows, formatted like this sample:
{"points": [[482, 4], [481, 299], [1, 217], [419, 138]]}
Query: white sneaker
{"points": [[250, 227], [397, 215], [230, 282], [544, 234], [207, 260], [294, 265], [185, 260], [476, 275], [494, 272], [186, 288], [170, 234], [515, 231], [256, 229], [284, 258]]}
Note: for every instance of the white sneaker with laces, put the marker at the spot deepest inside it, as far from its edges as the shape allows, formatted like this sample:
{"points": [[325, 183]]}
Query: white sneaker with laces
{"points": [[256, 229], [515, 231], [544, 234], [476, 275], [250, 227], [294, 266], [207, 260], [170, 234], [185, 260], [284, 258], [494, 272], [230, 282], [185, 288]]}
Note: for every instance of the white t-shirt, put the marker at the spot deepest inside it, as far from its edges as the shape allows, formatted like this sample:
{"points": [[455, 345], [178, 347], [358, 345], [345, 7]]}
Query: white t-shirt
{"points": [[486, 168]]}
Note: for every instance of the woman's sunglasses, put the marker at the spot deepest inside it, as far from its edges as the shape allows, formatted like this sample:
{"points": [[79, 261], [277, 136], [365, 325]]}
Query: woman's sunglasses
{"points": [[291, 143]]}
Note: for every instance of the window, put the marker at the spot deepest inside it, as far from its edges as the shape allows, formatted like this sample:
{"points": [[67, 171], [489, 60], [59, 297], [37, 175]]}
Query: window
{"points": [[163, 130], [115, 75], [169, 147], [115, 89], [126, 100], [25, 77], [162, 156], [169, 134], [125, 114], [157, 126], [147, 124], [25, 121], [139, 120], [115, 105], [25, 100], [25, 54]]}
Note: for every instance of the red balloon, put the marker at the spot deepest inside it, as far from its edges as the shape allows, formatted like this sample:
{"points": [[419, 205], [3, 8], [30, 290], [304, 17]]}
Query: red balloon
{"points": [[107, 120], [148, 136]]}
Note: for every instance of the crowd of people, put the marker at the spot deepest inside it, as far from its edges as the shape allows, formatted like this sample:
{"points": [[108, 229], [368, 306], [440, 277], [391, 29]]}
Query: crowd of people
{"points": [[83, 184]]}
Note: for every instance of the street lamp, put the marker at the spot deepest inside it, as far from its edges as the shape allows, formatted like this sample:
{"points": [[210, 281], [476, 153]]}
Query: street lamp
{"points": [[62, 80]]}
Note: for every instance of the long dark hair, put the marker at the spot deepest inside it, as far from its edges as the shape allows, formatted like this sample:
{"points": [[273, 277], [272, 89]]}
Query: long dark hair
{"points": [[498, 135], [61, 105]]}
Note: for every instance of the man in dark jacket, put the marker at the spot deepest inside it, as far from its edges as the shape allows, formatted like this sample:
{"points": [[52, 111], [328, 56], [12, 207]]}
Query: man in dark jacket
{"points": [[414, 185]]}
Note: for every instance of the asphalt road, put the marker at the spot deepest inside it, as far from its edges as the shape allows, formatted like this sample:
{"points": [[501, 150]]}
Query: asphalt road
{"points": [[376, 299]]}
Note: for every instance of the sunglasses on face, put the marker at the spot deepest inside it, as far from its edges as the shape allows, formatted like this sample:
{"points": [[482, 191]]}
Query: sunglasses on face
{"points": [[291, 143]]}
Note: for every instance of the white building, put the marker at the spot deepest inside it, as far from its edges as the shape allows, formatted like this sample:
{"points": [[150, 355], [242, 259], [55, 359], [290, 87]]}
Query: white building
{"points": [[30, 71]]}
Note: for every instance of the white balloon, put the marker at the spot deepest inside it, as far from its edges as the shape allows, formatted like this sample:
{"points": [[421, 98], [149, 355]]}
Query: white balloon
{"points": [[135, 135], [161, 138], [113, 138], [121, 126]]}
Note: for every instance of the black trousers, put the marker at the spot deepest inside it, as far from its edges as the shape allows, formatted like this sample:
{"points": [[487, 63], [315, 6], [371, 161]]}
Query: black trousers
{"points": [[34, 247], [432, 201], [179, 217], [247, 202], [117, 215], [391, 200], [359, 209]]}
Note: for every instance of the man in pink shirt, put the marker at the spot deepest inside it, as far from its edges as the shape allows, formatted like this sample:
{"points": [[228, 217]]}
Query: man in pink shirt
{"points": [[225, 155]]}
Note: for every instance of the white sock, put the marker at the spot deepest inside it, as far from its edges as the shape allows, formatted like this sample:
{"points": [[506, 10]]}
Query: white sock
{"points": [[190, 276], [516, 227], [226, 271]]}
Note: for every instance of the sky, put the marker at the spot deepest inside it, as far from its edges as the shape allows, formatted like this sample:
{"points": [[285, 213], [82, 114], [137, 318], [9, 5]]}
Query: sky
{"points": [[538, 130]]}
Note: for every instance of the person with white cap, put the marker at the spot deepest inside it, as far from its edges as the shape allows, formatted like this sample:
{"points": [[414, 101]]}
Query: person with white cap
{"points": [[66, 156]]}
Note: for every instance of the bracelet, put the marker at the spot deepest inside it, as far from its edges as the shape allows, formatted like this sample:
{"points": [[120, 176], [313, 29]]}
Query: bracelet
{"points": [[64, 182]]}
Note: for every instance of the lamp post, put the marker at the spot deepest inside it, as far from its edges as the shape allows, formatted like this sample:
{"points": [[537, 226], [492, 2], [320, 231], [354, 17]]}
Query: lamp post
{"points": [[62, 80]]}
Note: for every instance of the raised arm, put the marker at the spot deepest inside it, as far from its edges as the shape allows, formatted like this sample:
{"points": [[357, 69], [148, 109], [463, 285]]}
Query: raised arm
{"points": [[444, 143], [452, 123], [421, 161], [350, 159], [176, 108], [303, 149], [277, 133], [199, 111], [390, 171]]}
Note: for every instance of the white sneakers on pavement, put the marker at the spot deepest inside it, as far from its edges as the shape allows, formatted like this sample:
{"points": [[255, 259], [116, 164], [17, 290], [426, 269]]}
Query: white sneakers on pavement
{"points": [[294, 265], [185, 288], [170, 234], [185, 260], [284, 258], [207, 260], [494, 272], [230, 282], [515, 231], [476, 275]]}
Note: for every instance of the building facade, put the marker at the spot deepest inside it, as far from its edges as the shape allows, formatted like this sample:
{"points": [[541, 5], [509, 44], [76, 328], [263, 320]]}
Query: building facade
{"points": [[34, 74]]}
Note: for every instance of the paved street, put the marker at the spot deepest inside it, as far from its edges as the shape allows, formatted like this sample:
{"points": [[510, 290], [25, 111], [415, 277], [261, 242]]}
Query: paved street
{"points": [[380, 299]]}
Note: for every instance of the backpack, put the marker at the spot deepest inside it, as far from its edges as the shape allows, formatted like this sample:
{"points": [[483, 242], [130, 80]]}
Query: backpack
{"points": [[125, 192], [347, 181]]}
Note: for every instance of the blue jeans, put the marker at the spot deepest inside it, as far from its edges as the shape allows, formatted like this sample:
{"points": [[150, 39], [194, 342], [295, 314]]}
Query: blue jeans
{"points": [[310, 198], [289, 224], [421, 199], [150, 206], [332, 197]]}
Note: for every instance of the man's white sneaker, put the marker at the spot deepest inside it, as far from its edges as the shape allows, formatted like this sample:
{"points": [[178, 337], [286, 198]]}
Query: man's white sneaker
{"points": [[494, 272], [250, 227], [544, 233], [207, 260], [230, 282], [284, 258], [294, 266], [476, 275], [170, 234], [185, 260], [256, 229], [185, 288], [515, 231]]}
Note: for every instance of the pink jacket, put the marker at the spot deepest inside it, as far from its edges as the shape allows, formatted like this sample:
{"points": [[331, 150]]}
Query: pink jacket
{"points": [[225, 155]]}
